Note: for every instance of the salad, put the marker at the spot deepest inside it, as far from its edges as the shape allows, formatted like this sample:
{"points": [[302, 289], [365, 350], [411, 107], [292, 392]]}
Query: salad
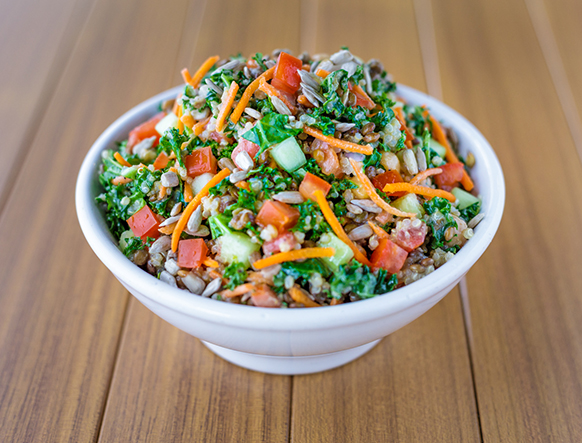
{"points": [[278, 181]]}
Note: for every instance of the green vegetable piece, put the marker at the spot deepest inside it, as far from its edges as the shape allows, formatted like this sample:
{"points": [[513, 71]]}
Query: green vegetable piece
{"points": [[219, 225], [236, 274], [273, 128], [409, 203], [437, 147], [288, 155], [343, 253], [236, 247], [465, 199], [124, 239]]}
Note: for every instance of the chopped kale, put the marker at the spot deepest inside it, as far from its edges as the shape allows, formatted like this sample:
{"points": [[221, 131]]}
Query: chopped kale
{"points": [[172, 141], [271, 129], [246, 200], [236, 274], [439, 211], [311, 221], [470, 212], [300, 271], [360, 280]]}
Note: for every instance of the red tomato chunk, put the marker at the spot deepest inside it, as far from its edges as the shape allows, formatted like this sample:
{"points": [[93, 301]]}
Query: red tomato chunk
{"points": [[278, 214], [192, 253], [144, 223], [274, 246], [200, 162], [145, 130], [381, 180], [389, 256], [409, 235], [312, 183], [450, 177], [286, 76], [264, 297]]}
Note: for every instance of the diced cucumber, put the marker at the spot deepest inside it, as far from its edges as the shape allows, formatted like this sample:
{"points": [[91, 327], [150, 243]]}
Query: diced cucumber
{"points": [[129, 172], [464, 198], [437, 147], [200, 181], [219, 225], [169, 121], [409, 203], [236, 247], [288, 154], [343, 253], [301, 172], [125, 235], [136, 206]]}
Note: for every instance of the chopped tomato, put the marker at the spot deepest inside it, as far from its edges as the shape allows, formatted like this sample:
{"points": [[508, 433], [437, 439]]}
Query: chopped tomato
{"points": [[312, 183], [220, 137], [200, 162], [408, 236], [191, 253], [362, 99], [389, 256], [326, 158], [162, 161], [278, 214], [145, 223], [273, 246], [381, 180], [286, 77], [264, 297], [450, 177], [145, 130], [244, 145]]}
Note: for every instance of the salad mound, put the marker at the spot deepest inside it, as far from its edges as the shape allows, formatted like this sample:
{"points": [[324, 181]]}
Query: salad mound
{"points": [[278, 181]]}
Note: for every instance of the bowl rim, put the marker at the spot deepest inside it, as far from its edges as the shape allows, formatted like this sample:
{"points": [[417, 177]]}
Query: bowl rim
{"points": [[252, 317]]}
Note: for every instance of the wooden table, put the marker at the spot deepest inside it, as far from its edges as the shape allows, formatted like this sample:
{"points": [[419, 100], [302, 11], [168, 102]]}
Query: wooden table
{"points": [[498, 360]]}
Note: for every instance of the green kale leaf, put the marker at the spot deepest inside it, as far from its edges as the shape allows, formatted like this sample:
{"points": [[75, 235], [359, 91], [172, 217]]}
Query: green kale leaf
{"points": [[439, 220], [271, 129], [236, 274]]}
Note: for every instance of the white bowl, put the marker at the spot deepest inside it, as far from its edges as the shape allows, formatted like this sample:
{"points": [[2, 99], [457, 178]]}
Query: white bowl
{"points": [[291, 341]]}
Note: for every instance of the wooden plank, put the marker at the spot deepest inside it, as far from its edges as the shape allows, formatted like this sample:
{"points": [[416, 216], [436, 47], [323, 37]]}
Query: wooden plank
{"points": [[416, 384], [525, 290], [37, 39], [61, 311], [167, 385]]}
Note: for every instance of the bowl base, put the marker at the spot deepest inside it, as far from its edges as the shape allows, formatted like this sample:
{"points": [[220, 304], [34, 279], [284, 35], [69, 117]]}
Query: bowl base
{"points": [[306, 364]]}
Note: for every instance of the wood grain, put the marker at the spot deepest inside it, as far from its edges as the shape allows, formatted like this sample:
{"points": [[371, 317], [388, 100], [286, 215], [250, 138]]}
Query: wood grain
{"points": [[416, 384], [525, 291], [61, 310], [167, 386], [37, 39]]}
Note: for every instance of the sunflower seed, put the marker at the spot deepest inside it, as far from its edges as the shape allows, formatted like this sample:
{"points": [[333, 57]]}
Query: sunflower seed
{"points": [[368, 79], [212, 287], [270, 63], [231, 65], [253, 113], [361, 232], [310, 79], [341, 57], [170, 179], [343, 127], [195, 220], [476, 220], [346, 97], [313, 91], [194, 283], [168, 278], [171, 266], [244, 161], [327, 65], [280, 106], [226, 163], [162, 244], [410, 163], [214, 87], [202, 231], [367, 205], [169, 221], [351, 67], [176, 209], [420, 158], [292, 197], [237, 176], [311, 97]]}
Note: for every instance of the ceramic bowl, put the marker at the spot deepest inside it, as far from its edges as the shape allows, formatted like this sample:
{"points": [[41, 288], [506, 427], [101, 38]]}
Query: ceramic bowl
{"points": [[291, 341]]}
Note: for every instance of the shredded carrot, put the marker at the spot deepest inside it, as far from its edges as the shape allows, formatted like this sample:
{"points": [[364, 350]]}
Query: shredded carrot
{"points": [[186, 75], [422, 176], [381, 233], [198, 75], [306, 67], [258, 277], [296, 254], [199, 127], [400, 117], [249, 91], [337, 227], [337, 143], [226, 106], [210, 263], [371, 190], [176, 104], [163, 191], [194, 203], [302, 100], [120, 180], [274, 92], [416, 189], [179, 124], [439, 136], [188, 195], [322, 73], [121, 160], [215, 274], [335, 301], [300, 296], [188, 120], [239, 290], [243, 185]]}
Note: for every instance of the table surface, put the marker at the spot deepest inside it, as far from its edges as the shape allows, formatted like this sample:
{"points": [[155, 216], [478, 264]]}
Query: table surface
{"points": [[499, 359]]}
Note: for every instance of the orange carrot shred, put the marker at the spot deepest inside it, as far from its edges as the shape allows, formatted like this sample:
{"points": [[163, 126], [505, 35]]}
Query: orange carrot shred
{"points": [[163, 191], [400, 117], [371, 190], [422, 176], [188, 195], [239, 290], [337, 227], [296, 254], [336, 142], [194, 203], [439, 136], [322, 73], [274, 92], [120, 180], [390, 188], [243, 185], [249, 91], [121, 160], [302, 100], [199, 127], [188, 120], [210, 263], [176, 104], [381, 233], [299, 296], [226, 106], [186, 75], [198, 75]]}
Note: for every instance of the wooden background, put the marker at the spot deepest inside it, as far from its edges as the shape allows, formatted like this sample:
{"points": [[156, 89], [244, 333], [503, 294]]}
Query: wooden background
{"points": [[499, 360]]}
